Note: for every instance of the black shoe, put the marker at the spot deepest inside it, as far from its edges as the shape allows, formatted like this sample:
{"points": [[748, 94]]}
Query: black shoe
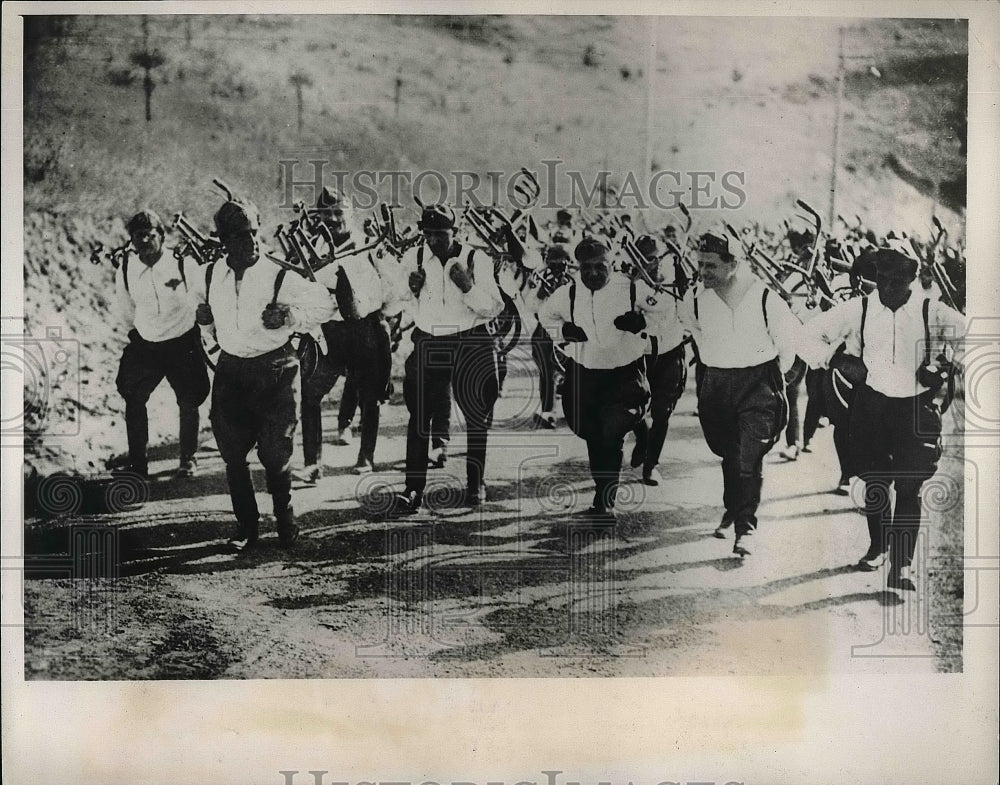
{"points": [[131, 471], [897, 580], [438, 457], [246, 536], [652, 477], [288, 530], [720, 530], [742, 546], [475, 497], [403, 504]]}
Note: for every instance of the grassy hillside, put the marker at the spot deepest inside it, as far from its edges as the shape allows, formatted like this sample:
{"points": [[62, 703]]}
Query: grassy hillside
{"points": [[477, 94]]}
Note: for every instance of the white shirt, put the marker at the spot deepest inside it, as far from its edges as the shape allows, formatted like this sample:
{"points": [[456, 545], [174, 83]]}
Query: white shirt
{"points": [[893, 340], [157, 302], [239, 326], [442, 308], [738, 337], [595, 313]]}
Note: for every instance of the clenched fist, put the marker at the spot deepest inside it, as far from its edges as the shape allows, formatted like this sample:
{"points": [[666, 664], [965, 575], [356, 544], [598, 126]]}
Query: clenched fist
{"points": [[274, 316], [460, 277], [572, 333], [203, 314], [631, 322], [417, 280]]}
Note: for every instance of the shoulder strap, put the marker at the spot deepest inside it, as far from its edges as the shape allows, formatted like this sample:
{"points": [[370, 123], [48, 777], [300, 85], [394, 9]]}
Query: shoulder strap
{"points": [[420, 256], [125, 274], [927, 330], [572, 301], [180, 269], [208, 281], [763, 308], [694, 298], [631, 293], [864, 316], [277, 284], [470, 263]]}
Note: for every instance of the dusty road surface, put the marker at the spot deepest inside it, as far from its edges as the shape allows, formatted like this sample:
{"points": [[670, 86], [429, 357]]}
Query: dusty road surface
{"points": [[526, 586]]}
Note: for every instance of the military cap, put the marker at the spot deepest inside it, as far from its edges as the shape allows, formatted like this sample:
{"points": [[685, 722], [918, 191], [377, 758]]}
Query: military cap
{"points": [[556, 253], [896, 256], [648, 246], [713, 243], [144, 221], [589, 248], [329, 198], [235, 216], [436, 217]]}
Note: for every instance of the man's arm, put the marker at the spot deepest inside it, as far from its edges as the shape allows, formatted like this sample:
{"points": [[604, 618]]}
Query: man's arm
{"points": [[309, 304], [126, 306], [554, 312]]}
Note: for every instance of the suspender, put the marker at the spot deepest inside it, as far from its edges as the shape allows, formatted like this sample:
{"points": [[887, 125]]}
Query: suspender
{"points": [[927, 330], [208, 282], [277, 283], [763, 305], [864, 316], [572, 299]]}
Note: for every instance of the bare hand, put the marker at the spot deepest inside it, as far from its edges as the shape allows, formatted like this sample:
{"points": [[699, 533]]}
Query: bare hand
{"points": [[203, 314], [417, 280], [274, 316], [461, 278]]}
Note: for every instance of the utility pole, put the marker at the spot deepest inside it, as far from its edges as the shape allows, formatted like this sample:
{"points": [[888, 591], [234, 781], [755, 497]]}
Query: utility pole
{"points": [[836, 131], [650, 79]]}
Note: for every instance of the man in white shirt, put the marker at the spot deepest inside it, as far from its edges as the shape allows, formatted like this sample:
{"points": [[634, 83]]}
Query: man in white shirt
{"points": [[455, 303], [895, 422], [666, 368], [356, 338], [602, 317], [164, 341], [746, 338], [254, 307]]}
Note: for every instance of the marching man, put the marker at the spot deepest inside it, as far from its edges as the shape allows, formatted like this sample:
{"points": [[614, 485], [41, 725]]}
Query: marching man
{"points": [[163, 342], [456, 301], [254, 306], [746, 338], [601, 315], [906, 341]]}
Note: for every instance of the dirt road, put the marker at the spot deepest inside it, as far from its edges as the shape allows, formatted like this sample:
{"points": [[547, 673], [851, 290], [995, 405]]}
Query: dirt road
{"points": [[523, 587]]}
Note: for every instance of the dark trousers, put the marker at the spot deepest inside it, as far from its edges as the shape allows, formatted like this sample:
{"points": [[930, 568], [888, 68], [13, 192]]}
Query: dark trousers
{"points": [[348, 403], [814, 406], [667, 375], [543, 352], [742, 413], [441, 418], [895, 442], [601, 407], [144, 364], [838, 397], [467, 363], [253, 403], [359, 350]]}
